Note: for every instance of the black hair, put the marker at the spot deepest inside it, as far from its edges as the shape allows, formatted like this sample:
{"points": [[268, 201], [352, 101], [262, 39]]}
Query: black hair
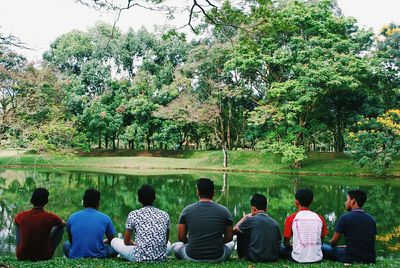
{"points": [[146, 195], [91, 198], [259, 201], [304, 196], [359, 195], [205, 187], [40, 197]]}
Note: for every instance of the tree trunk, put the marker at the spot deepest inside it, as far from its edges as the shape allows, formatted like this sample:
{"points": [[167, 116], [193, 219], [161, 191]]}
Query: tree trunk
{"points": [[148, 141], [338, 139], [228, 130], [106, 141], [99, 146], [225, 153]]}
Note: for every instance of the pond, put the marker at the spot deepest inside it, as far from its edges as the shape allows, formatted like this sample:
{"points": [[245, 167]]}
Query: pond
{"points": [[175, 191]]}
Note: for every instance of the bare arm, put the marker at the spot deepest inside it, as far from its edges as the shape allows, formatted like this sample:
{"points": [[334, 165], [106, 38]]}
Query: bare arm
{"points": [[228, 234], [335, 239], [182, 233], [167, 236], [236, 228], [128, 237], [286, 242]]}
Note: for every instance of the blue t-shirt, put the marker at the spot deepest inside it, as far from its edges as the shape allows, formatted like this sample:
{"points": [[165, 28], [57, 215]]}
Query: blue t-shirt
{"points": [[359, 230], [87, 228]]}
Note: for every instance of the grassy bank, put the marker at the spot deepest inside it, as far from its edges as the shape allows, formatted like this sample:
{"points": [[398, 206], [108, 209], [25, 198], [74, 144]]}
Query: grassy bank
{"points": [[86, 263], [323, 164]]}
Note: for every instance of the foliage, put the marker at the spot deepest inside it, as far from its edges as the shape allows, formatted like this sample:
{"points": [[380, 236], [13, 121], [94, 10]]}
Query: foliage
{"points": [[290, 154], [289, 75], [376, 142]]}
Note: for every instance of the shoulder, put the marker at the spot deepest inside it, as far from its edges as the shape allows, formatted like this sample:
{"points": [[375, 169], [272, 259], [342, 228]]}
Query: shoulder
{"points": [[272, 220], [291, 217], [163, 213], [222, 208], [134, 213], [103, 216], [20, 215], [190, 207]]}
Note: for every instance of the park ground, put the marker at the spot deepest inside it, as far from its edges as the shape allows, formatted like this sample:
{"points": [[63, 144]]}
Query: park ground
{"points": [[61, 262], [129, 162]]}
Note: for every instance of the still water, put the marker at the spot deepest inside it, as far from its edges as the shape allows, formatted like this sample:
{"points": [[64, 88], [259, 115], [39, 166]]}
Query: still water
{"points": [[175, 191]]}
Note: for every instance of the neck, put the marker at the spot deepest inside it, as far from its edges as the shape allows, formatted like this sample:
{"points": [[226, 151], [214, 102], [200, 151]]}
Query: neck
{"points": [[356, 207], [41, 207], [300, 207], [203, 199]]}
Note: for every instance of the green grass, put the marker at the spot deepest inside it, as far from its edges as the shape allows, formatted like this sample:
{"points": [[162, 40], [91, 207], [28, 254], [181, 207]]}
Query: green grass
{"points": [[133, 162], [9, 261]]}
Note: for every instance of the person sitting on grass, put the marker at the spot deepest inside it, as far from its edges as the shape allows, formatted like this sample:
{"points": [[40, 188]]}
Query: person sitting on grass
{"points": [[86, 230], [359, 230], [205, 228], [38, 231], [306, 228], [258, 235], [151, 228]]}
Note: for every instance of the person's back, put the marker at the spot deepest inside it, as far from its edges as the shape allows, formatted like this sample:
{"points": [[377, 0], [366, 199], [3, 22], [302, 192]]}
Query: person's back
{"points": [[306, 228], [35, 239], [258, 235], [205, 228], [206, 222], [150, 227], [359, 230], [87, 228]]}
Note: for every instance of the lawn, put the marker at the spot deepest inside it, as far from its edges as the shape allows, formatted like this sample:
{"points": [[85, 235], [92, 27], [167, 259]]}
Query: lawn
{"points": [[320, 164], [83, 263]]}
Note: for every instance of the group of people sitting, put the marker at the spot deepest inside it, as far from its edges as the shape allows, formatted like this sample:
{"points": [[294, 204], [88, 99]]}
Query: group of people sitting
{"points": [[205, 231]]}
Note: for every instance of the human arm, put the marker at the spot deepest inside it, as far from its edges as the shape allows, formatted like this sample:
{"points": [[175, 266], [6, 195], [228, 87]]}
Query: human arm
{"points": [[228, 234], [110, 231], [128, 237], [335, 239], [286, 242], [167, 236], [236, 228], [182, 232]]}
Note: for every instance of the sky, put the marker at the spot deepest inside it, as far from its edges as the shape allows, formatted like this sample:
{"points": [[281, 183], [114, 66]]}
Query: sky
{"points": [[39, 22]]}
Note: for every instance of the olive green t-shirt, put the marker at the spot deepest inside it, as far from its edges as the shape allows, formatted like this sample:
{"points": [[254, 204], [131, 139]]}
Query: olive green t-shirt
{"points": [[206, 223]]}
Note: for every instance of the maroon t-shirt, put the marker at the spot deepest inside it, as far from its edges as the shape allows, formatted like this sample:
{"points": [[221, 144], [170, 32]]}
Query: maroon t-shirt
{"points": [[34, 234]]}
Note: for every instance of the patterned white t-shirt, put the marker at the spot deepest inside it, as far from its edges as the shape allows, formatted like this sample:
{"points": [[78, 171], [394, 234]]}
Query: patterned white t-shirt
{"points": [[150, 226]]}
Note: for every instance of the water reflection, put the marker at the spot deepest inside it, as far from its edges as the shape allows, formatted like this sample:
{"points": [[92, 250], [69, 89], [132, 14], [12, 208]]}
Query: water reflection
{"points": [[174, 192]]}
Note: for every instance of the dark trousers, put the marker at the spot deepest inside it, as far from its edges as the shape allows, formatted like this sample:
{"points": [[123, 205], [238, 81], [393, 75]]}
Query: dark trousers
{"points": [[56, 235], [242, 245], [333, 254], [285, 252]]}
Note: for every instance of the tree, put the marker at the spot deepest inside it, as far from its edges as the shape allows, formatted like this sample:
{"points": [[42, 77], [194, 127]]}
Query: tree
{"points": [[302, 60], [375, 142]]}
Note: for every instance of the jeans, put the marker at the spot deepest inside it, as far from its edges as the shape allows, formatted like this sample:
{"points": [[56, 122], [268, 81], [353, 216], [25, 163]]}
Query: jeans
{"points": [[333, 254], [110, 252], [179, 250], [285, 252]]}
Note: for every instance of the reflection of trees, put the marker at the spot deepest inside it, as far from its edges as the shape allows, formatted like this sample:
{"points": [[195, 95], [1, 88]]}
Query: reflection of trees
{"points": [[174, 192]]}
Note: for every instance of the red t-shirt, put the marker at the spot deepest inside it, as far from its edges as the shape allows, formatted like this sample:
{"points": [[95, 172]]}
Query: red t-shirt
{"points": [[34, 232]]}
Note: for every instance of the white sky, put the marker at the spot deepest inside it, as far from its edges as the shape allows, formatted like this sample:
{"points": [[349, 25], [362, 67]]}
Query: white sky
{"points": [[38, 22]]}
